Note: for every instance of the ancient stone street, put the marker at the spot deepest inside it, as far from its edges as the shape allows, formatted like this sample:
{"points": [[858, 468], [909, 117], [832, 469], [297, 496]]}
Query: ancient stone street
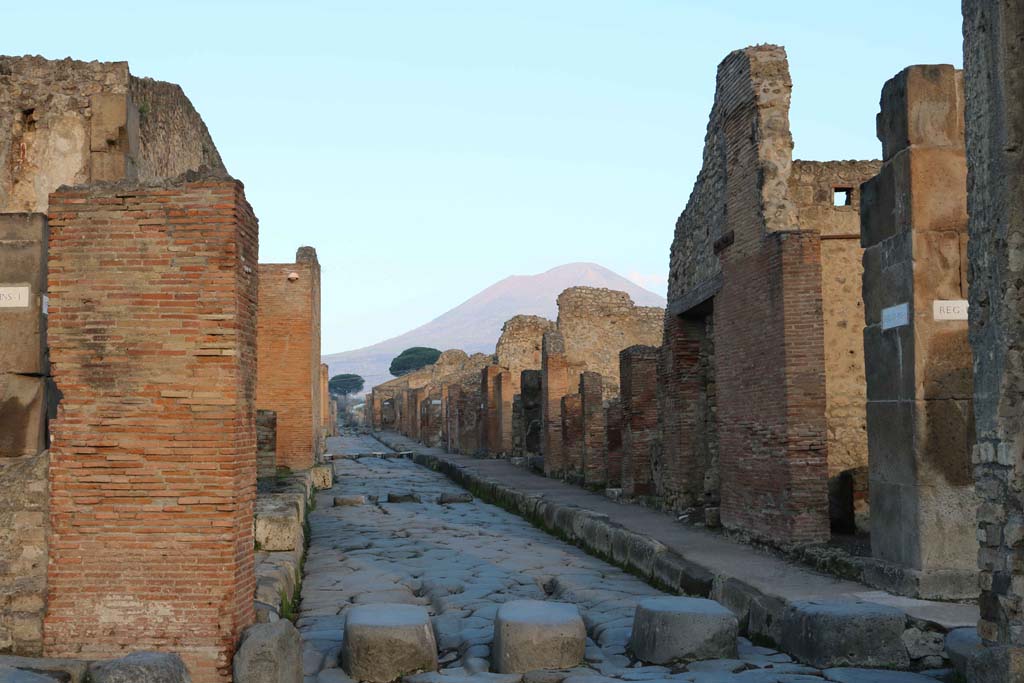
{"points": [[462, 560]]}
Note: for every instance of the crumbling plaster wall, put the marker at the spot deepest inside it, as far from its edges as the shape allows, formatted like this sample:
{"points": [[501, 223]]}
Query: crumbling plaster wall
{"points": [[68, 122]]}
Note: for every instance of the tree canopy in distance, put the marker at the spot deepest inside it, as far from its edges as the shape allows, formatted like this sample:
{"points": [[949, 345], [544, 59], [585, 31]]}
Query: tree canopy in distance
{"points": [[345, 384], [413, 359]]}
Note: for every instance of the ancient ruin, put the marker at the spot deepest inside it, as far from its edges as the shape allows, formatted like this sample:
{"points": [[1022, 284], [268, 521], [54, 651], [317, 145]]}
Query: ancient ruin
{"points": [[807, 467]]}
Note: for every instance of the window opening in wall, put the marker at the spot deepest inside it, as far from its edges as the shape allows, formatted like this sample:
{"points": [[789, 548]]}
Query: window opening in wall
{"points": [[842, 196]]}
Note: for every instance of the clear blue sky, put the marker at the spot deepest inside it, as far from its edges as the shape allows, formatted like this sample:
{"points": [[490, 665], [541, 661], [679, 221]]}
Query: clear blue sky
{"points": [[428, 149]]}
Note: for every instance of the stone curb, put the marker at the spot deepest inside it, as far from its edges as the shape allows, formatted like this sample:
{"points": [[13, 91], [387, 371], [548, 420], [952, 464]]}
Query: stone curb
{"points": [[760, 615]]}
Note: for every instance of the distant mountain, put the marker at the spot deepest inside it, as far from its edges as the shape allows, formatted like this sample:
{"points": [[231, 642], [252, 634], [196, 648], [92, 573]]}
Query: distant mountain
{"points": [[475, 325]]}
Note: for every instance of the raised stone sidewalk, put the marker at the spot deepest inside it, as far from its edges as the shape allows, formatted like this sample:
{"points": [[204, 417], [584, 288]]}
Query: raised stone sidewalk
{"points": [[765, 591]]}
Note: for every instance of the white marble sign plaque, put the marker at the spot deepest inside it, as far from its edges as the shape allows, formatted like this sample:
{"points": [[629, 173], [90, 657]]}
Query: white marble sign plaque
{"points": [[951, 309], [895, 316], [16, 296]]}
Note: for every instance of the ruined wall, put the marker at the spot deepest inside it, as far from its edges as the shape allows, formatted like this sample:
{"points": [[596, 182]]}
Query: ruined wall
{"points": [[152, 329], [519, 347], [920, 422], [289, 355], [24, 500], [639, 368], [613, 443], [995, 177], [70, 122], [533, 411], [827, 197], [266, 444], [598, 323], [594, 456]]}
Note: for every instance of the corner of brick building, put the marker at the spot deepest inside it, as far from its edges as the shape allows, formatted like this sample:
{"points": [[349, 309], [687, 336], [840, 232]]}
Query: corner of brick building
{"points": [[153, 466]]}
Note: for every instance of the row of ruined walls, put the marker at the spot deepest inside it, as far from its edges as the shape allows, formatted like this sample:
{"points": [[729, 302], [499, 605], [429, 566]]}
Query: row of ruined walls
{"points": [[129, 296]]}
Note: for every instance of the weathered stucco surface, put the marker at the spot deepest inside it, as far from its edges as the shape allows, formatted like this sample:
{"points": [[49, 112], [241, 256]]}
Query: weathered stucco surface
{"points": [[68, 122]]}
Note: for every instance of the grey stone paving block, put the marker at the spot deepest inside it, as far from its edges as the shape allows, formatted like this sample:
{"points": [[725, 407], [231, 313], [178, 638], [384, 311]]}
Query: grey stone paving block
{"points": [[961, 644], [668, 629], [839, 634], [9, 674], [851, 675], [141, 667], [534, 634], [384, 642], [269, 653]]}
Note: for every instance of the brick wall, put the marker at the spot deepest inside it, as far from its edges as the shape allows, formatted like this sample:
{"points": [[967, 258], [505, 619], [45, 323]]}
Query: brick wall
{"points": [[266, 444], [741, 250], [152, 330], [613, 442], [687, 474], [594, 456], [572, 436], [995, 119], [289, 355], [504, 391], [639, 375], [490, 430], [554, 385]]}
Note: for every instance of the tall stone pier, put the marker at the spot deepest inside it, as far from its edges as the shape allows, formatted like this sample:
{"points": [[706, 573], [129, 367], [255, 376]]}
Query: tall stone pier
{"points": [[24, 460], [917, 358], [289, 356], [152, 331], [995, 181]]}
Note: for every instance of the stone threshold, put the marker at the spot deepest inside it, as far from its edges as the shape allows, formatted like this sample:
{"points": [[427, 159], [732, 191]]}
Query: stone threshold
{"points": [[758, 586]]}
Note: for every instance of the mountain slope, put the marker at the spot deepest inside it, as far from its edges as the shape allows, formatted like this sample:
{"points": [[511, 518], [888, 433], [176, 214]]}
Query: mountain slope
{"points": [[475, 325]]}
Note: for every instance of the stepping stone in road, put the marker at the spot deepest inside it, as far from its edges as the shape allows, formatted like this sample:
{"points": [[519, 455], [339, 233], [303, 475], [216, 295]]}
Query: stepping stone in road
{"points": [[386, 641], [534, 634], [669, 629], [845, 634], [448, 498], [403, 498], [349, 501]]}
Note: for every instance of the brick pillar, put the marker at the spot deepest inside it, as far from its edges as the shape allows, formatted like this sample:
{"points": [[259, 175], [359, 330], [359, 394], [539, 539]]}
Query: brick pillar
{"points": [[995, 121], [918, 363], [325, 402], [490, 434], [554, 385], [152, 331], [686, 411], [638, 377], [266, 444], [572, 436], [594, 455], [613, 442], [770, 378], [530, 388], [23, 416], [502, 402], [289, 355]]}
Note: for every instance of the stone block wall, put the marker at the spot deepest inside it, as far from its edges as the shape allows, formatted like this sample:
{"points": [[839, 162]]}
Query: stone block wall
{"points": [[289, 356], [596, 324], [995, 156], [68, 122], [594, 454], [639, 373], [266, 444], [920, 415], [519, 347], [152, 328], [24, 370]]}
